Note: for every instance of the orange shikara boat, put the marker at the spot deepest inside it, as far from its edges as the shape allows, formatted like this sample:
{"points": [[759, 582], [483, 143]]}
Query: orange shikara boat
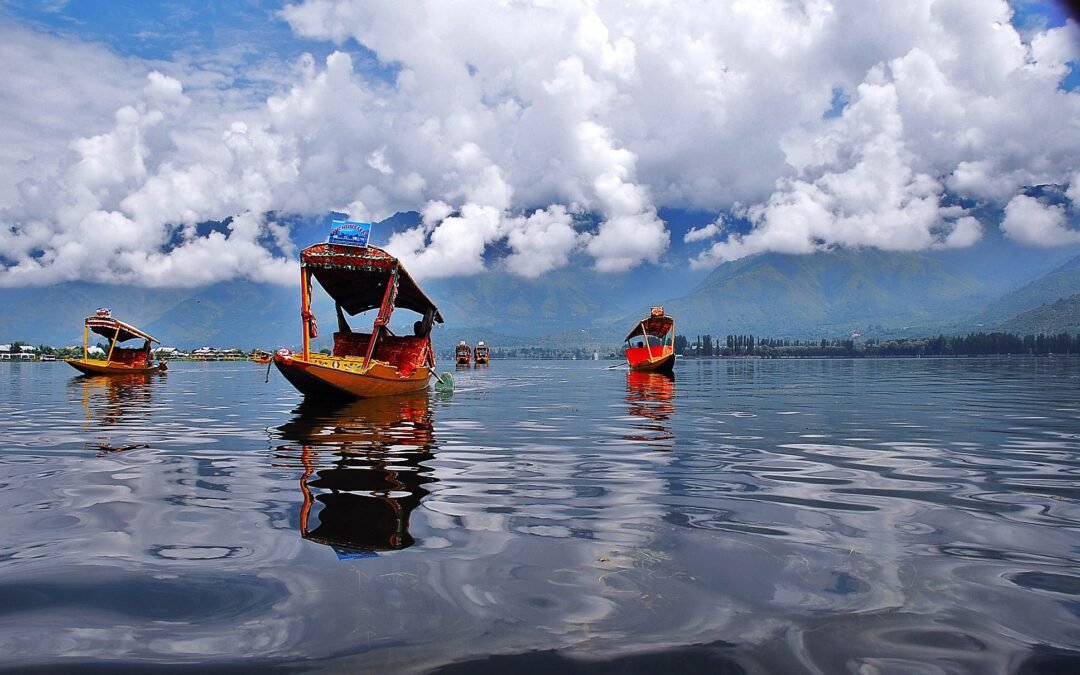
{"points": [[650, 346], [480, 354], [462, 353], [118, 360], [360, 278], [260, 356]]}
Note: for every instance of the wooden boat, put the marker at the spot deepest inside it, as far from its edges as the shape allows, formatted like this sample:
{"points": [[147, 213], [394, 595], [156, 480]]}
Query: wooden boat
{"points": [[650, 346], [480, 353], [462, 353], [260, 356], [360, 278], [118, 359]]}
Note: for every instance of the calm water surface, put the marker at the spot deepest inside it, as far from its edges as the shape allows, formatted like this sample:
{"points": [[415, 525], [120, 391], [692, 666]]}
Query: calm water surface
{"points": [[872, 516]]}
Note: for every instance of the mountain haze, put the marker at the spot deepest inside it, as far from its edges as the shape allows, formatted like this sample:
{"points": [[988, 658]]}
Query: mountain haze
{"points": [[823, 294], [830, 292], [1059, 283], [1062, 316]]}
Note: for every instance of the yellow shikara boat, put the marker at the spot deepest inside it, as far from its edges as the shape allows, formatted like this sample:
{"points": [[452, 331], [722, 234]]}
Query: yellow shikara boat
{"points": [[360, 278], [260, 356], [650, 346], [118, 360]]}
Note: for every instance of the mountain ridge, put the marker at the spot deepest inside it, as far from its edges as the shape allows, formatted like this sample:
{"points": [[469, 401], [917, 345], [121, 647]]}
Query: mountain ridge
{"points": [[824, 294]]}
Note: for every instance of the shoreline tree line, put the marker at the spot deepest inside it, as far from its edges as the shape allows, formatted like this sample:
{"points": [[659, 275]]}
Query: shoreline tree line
{"points": [[972, 344]]}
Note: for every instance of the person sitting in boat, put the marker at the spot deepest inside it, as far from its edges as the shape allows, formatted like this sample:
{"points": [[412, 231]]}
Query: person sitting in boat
{"points": [[422, 328]]}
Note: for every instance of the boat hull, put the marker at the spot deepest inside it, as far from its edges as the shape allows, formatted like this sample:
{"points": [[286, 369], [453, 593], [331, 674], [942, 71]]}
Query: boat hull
{"points": [[346, 378], [658, 364], [95, 367]]}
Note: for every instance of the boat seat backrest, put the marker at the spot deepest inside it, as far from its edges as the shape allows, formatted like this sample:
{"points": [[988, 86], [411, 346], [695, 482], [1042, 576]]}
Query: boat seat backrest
{"points": [[351, 344], [406, 352], [128, 355]]}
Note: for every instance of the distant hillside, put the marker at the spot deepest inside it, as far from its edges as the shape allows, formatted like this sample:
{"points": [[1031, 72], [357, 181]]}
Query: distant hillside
{"points": [[1059, 283], [775, 295], [826, 293], [240, 314], [1061, 316], [54, 314], [567, 299]]}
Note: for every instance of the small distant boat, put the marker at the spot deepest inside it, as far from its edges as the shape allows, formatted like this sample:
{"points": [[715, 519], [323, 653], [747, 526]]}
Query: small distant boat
{"points": [[462, 353], [118, 359], [360, 278], [480, 354], [260, 356], [650, 346]]}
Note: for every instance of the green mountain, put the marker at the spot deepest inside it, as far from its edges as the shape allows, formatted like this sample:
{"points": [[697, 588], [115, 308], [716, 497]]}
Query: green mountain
{"points": [[240, 314], [566, 299], [1059, 283], [811, 296], [1061, 316], [54, 314], [828, 293]]}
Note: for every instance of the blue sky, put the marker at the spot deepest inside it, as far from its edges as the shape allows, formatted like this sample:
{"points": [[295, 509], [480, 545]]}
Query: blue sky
{"points": [[158, 29], [795, 125], [163, 30]]}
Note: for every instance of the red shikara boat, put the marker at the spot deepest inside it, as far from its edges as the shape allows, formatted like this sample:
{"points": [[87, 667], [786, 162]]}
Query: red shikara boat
{"points": [[360, 278], [118, 360], [650, 346]]}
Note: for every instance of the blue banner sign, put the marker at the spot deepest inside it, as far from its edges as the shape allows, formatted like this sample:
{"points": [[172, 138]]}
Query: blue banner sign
{"points": [[350, 233]]}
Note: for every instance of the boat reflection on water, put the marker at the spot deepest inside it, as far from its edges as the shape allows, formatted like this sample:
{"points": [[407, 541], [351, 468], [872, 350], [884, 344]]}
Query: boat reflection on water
{"points": [[651, 397], [363, 471], [117, 407], [114, 399]]}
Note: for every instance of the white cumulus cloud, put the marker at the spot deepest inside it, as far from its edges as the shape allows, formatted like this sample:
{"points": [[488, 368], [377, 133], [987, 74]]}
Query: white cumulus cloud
{"points": [[1030, 222], [503, 122]]}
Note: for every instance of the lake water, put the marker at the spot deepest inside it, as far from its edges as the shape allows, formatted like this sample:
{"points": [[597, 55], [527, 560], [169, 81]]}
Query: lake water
{"points": [[817, 516]]}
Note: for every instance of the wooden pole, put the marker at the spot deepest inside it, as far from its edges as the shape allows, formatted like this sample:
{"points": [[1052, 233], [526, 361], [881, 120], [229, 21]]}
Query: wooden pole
{"points": [[305, 508], [112, 344], [644, 333], [305, 308], [384, 315]]}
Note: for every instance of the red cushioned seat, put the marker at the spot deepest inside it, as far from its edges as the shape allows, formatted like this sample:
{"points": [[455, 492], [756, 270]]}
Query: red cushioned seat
{"points": [[351, 344], [129, 356], [406, 353]]}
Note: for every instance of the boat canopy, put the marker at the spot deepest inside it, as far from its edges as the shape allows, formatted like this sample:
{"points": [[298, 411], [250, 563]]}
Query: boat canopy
{"points": [[356, 278], [658, 326], [106, 326]]}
